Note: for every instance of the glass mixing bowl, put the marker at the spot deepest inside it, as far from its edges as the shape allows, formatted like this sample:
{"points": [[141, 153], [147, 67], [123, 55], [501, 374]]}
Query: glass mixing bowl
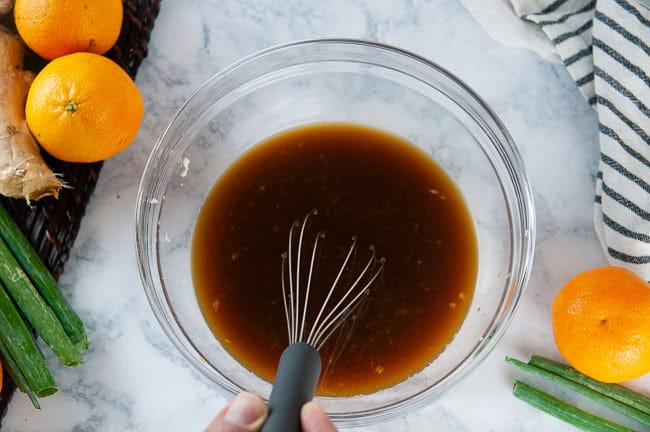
{"points": [[337, 81]]}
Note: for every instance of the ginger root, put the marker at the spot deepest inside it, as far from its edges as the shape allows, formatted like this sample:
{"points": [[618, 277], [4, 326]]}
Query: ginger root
{"points": [[23, 172], [5, 6]]}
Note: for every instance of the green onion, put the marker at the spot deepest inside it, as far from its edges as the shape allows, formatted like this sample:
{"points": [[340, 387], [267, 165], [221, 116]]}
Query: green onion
{"points": [[42, 279], [563, 411], [614, 391], [596, 396], [34, 308], [17, 375], [21, 346]]}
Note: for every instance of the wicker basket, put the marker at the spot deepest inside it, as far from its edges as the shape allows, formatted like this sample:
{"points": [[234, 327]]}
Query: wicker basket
{"points": [[52, 224]]}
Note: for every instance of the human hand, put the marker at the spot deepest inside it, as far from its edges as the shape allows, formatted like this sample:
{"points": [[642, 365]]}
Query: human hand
{"points": [[247, 413]]}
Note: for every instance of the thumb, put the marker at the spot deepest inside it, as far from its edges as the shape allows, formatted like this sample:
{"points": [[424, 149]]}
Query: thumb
{"points": [[314, 419], [246, 413]]}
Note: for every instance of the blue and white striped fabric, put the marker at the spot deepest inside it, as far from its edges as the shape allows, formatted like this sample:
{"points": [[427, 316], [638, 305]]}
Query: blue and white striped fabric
{"points": [[605, 45]]}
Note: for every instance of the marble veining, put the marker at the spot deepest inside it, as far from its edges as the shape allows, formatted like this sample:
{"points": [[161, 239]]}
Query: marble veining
{"points": [[133, 379]]}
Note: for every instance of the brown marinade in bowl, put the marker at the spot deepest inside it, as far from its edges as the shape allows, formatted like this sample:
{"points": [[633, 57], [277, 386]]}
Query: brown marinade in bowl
{"points": [[364, 182]]}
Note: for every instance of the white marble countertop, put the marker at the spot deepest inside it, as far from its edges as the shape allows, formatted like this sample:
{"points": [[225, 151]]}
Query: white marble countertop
{"points": [[133, 379]]}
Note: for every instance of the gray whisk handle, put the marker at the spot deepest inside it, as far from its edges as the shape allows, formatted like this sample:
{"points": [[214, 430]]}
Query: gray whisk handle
{"points": [[294, 385]]}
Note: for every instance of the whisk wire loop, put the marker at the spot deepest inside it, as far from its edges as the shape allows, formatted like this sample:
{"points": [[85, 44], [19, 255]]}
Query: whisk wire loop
{"points": [[343, 308], [298, 267], [331, 291], [320, 235], [326, 321], [292, 307], [293, 301], [287, 315]]}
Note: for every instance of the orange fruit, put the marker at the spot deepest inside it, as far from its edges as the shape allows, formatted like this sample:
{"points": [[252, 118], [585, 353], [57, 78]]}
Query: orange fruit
{"points": [[601, 324], [53, 28], [83, 108]]}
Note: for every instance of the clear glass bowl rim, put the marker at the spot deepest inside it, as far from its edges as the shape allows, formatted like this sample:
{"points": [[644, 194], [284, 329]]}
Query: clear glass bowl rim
{"points": [[523, 242]]}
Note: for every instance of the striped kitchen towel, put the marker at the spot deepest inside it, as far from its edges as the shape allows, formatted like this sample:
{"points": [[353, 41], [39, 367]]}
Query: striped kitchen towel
{"points": [[605, 45]]}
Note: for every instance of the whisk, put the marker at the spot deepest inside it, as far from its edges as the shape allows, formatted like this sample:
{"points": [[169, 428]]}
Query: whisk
{"points": [[300, 364]]}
